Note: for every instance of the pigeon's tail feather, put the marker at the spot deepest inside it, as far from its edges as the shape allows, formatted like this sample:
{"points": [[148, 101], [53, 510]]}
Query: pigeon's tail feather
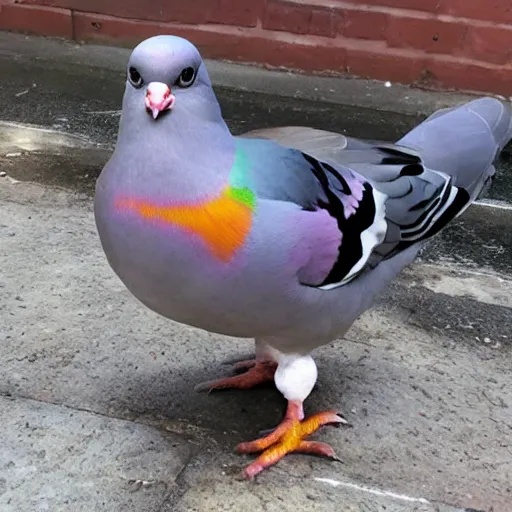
{"points": [[464, 141]]}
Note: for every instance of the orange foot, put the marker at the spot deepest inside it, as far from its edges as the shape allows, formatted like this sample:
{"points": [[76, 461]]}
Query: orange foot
{"points": [[289, 437], [255, 373]]}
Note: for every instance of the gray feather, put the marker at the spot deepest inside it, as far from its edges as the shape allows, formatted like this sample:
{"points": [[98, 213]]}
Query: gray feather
{"points": [[464, 141], [321, 144]]}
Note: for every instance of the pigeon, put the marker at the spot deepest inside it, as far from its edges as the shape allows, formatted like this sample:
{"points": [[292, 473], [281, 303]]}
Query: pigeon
{"points": [[282, 235]]}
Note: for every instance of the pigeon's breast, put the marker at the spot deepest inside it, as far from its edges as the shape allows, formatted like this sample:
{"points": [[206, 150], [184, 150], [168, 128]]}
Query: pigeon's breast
{"points": [[187, 262]]}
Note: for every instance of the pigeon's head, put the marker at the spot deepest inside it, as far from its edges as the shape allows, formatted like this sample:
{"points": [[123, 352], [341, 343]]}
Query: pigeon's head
{"points": [[165, 74]]}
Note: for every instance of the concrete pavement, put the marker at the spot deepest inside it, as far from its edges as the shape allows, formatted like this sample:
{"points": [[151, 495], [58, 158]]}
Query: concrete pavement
{"points": [[96, 392]]}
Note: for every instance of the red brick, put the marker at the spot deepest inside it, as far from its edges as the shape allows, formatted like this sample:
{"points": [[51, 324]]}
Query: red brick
{"points": [[45, 21], [241, 12], [377, 62], [364, 24], [470, 76], [245, 13], [323, 23], [300, 19], [489, 43], [150, 10], [290, 55], [110, 29], [419, 5], [217, 42], [429, 34], [499, 11]]}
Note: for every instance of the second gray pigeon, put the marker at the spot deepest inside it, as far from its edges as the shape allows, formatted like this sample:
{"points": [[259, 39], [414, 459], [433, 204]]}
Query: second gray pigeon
{"points": [[286, 235]]}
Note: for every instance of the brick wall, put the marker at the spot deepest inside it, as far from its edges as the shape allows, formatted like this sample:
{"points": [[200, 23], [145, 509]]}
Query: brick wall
{"points": [[462, 44]]}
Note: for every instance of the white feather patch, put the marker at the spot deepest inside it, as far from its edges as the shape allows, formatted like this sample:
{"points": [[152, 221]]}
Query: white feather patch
{"points": [[295, 376]]}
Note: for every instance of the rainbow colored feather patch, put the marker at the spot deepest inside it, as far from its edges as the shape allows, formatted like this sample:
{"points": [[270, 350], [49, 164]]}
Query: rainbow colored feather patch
{"points": [[223, 223]]}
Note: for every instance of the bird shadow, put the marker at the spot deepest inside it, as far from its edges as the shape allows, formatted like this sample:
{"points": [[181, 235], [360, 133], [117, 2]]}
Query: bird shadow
{"points": [[168, 395]]}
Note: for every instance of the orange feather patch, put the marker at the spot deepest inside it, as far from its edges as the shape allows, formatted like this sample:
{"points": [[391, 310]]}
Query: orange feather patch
{"points": [[223, 223]]}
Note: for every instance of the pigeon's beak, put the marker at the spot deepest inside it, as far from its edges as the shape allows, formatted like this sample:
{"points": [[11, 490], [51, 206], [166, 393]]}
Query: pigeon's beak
{"points": [[159, 98]]}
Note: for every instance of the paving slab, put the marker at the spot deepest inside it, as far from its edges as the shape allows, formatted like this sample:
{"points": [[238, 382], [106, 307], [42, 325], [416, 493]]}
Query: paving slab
{"points": [[53, 458], [424, 379], [317, 495]]}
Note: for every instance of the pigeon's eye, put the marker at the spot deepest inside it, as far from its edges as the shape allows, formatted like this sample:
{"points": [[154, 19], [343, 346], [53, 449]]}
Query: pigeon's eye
{"points": [[135, 78], [186, 78]]}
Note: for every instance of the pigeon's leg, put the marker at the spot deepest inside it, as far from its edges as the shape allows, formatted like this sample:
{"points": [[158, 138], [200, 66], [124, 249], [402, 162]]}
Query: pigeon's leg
{"points": [[250, 372], [295, 377]]}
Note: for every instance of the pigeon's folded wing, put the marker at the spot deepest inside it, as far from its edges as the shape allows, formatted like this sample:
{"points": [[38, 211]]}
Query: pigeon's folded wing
{"points": [[382, 197]]}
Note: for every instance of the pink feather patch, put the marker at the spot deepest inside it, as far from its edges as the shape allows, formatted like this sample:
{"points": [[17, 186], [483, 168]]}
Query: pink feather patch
{"points": [[317, 251]]}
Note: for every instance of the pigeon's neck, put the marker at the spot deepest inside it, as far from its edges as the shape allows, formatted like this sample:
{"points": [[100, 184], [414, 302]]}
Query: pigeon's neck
{"points": [[177, 161]]}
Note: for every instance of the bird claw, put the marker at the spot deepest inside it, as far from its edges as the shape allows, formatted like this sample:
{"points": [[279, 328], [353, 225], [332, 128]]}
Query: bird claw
{"points": [[289, 437]]}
